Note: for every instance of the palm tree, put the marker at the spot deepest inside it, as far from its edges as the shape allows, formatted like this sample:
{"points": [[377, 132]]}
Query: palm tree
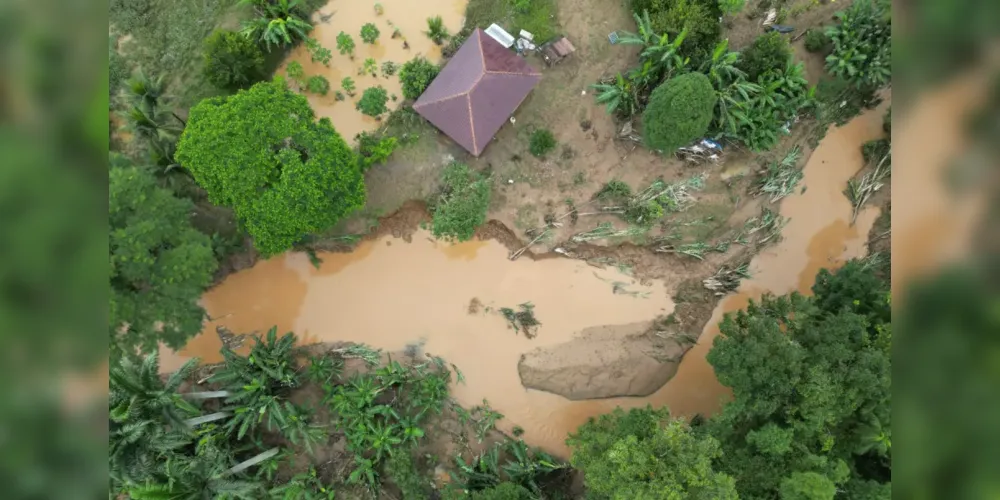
{"points": [[277, 24], [436, 30]]}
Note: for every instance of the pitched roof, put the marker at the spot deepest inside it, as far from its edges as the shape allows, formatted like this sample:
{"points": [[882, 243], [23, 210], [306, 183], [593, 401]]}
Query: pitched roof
{"points": [[477, 91]]}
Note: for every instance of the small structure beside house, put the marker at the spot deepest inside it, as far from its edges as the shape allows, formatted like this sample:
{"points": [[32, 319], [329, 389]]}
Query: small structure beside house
{"points": [[477, 91], [554, 51]]}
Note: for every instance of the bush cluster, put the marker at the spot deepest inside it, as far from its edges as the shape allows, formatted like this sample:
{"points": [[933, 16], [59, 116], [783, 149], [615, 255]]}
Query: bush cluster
{"points": [[462, 206], [232, 61], [679, 111], [415, 75], [542, 141]]}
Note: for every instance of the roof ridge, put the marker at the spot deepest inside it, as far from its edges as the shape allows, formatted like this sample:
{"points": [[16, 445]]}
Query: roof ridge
{"points": [[447, 98]]}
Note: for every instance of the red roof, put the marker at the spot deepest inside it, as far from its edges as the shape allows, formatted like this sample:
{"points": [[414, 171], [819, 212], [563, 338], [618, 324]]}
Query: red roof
{"points": [[477, 91]]}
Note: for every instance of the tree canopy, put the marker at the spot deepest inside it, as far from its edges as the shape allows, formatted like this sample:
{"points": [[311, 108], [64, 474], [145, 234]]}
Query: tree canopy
{"points": [[811, 381], [262, 153], [679, 111], [160, 264], [643, 455]]}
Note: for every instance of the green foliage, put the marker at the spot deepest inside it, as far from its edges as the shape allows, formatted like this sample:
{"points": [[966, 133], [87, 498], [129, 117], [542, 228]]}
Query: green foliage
{"points": [[620, 96], [679, 111], [757, 114], [643, 454], [503, 491], [262, 153], [731, 6], [811, 388], [345, 44], [807, 486], [369, 33], [538, 17], [304, 486], [160, 265], [374, 149], [277, 24], [817, 41], [318, 53], [698, 17], [389, 68], [415, 75], [318, 84], [348, 85], [372, 102], [231, 61], [295, 71], [436, 30], [370, 67], [862, 44], [838, 101], [401, 470], [525, 467], [661, 57], [462, 206], [542, 141], [769, 52]]}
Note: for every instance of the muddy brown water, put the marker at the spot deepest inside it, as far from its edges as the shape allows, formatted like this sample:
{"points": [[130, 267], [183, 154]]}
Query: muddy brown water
{"points": [[390, 294], [409, 16]]}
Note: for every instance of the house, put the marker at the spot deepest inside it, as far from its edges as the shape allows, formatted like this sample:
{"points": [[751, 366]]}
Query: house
{"points": [[477, 91]]}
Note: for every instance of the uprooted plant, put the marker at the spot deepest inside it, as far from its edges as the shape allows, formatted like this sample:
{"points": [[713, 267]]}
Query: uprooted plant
{"points": [[726, 279], [780, 178], [859, 191], [649, 205], [523, 319]]}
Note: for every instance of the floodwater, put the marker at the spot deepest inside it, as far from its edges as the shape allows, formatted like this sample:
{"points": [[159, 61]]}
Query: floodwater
{"points": [[408, 16], [390, 294]]}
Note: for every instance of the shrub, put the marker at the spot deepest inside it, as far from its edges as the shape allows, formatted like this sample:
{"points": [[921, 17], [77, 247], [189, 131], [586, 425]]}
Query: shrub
{"points": [[372, 102], [345, 44], [701, 20], [862, 44], [369, 33], [231, 60], [317, 52], [373, 149], [416, 75], [759, 117], [348, 85], [731, 6], [389, 68], [463, 205], [542, 141], [769, 52], [436, 30], [318, 84], [817, 41], [679, 112], [295, 71], [262, 153], [370, 67]]}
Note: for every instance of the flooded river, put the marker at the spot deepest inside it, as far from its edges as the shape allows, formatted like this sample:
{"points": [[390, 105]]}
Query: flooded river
{"points": [[408, 16], [390, 294]]}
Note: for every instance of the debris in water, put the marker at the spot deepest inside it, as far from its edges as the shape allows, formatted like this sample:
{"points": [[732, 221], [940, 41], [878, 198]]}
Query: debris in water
{"points": [[522, 320]]}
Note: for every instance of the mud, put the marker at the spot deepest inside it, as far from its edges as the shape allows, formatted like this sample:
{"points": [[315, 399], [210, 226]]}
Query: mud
{"points": [[409, 17], [602, 362]]}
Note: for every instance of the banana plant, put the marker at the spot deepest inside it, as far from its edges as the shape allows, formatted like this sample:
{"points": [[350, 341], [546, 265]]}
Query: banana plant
{"points": [[645, 37], [619, 97], [364, 473], [721, 68], [665, 55], [382, 439]]}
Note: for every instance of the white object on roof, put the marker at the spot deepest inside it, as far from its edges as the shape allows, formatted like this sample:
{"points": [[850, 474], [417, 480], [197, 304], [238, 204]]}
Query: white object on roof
{"points": [[497, 33], [528, 35]]}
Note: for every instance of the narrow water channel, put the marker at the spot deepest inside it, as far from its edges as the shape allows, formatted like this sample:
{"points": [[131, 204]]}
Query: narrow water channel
{"points": [[407, 16], [390, 294]]}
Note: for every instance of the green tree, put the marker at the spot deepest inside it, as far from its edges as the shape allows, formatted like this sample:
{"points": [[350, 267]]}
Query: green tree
{"points": [[807, 486], [436, 30], [345, 44], [369, 33], [372, 102], [699, 18], [769, 52], [810, 380], [862, 44], [348, 85], [415, 75], [262, 153], [318, 84], [679, 111], [645, 455], [231, 60], [160, 265], [317, 52], [463, 204]]}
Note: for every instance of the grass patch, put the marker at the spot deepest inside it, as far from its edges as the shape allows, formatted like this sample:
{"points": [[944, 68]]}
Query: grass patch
{"points": [[539, 17]]}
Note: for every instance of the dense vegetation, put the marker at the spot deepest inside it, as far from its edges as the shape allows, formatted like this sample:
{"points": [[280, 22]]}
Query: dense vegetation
{"points": [[262, 153], [232, 61], [415, 75], [810, 414], [462, 206]]}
